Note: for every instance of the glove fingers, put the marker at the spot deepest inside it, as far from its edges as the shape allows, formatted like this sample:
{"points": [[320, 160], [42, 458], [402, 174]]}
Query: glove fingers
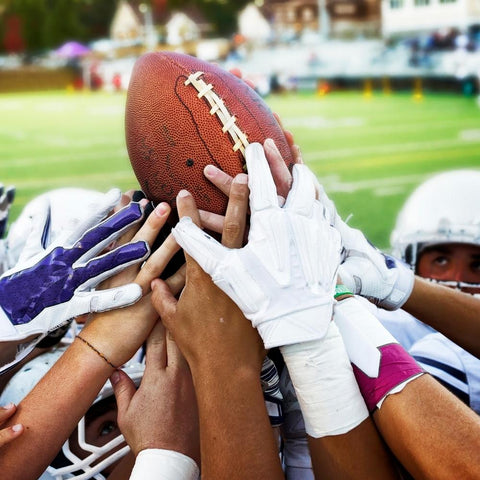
{"points": [[97, 238], [302, 194], [263, 193], [100, 268], [204, 249]]}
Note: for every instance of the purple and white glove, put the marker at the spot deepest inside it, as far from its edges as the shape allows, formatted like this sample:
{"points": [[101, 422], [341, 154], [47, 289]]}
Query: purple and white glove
{"points": [[6, 199], [283, 280], [52, 217], [48, 290], [384, 280]]}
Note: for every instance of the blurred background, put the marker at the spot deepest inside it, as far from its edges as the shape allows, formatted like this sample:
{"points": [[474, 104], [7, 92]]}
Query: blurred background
{"points": [[379, 94]]}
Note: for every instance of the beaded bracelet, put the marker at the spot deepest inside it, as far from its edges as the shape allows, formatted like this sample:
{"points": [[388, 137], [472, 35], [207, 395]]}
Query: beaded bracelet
{"points": [[100, 354]]}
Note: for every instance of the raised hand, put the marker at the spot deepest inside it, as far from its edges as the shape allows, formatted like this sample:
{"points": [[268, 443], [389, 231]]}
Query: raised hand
{"points": [[384, 280], [162, 413], [49, 289], [279, 262]]}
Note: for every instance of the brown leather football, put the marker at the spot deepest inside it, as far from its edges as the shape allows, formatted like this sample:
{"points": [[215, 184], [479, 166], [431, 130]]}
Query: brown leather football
{"points": [[183, 114]]}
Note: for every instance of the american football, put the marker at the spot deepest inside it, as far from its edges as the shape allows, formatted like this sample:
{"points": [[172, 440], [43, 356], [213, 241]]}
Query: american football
{"points": [[183, 114]]}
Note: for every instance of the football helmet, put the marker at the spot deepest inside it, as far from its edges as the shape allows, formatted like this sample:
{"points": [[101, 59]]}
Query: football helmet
{"points": [[63, 209], [68, 464], [444, 209]]}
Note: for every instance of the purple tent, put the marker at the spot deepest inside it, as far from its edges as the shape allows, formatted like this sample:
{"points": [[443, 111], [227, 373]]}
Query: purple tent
{"points": [[72, 50]]}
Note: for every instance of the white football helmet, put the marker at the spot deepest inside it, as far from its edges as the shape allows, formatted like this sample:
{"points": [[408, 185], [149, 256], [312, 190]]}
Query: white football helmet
{"points": [[67, 464], [444, 209], [59, 212]]}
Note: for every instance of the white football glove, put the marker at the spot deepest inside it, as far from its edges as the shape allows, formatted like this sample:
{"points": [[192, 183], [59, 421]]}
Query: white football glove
{"points": [[283, 280], [385, 281]]}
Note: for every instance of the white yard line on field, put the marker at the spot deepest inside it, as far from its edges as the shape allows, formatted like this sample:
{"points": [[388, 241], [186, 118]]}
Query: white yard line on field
{"points": [[379, 186], [55, 182], [78, 157], [393, 148]]}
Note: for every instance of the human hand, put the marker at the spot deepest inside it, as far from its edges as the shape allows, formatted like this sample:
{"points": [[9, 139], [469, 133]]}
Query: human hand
{"points": [[49, 289], [384, 280], [162, 413], [10, 433], [280, 173], [193, 320], [119, 333], [292, 253]]}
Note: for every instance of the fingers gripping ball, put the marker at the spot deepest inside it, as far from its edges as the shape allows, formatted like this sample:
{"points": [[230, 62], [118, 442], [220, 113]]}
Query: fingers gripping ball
{"points": [[282, 261], [183, 114]]}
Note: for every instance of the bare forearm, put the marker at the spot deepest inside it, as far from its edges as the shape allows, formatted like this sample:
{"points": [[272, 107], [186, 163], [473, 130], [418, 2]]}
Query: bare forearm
{"points": [[367, 458], [453, 313], [235, 434], [52, 410], [433, 434]]}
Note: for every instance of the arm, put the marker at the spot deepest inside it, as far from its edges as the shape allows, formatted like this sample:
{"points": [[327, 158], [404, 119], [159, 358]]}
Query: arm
{"points": [[291, 261], [160, 418], [431, 432], [235, 434], [390, 284], [453, 313], [343, 441], [413, 412], [117, 335]]}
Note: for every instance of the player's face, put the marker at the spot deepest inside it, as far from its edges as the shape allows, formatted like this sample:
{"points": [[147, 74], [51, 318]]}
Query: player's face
{"points": [[453, 262], [99, 430]]}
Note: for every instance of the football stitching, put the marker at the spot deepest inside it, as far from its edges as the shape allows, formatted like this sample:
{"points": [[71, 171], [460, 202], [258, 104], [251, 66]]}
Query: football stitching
{"points": [[218, 108]]}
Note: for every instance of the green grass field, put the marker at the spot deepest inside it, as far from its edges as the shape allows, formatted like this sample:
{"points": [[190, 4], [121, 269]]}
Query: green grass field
{"points": [[369, 153]]}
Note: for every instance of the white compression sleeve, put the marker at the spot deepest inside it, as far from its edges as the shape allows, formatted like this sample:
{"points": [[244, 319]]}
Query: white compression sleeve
{"points": [[160, 464], [325, 385]]}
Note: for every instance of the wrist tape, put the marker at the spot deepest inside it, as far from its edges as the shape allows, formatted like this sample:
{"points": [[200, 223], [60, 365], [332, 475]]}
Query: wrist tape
{"points": [[327, 392], [397, 368], [157, 463]]}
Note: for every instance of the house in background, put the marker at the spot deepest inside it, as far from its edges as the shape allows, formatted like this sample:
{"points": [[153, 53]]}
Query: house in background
{"points": [[330, 18], [410, 17], [126, 23]]}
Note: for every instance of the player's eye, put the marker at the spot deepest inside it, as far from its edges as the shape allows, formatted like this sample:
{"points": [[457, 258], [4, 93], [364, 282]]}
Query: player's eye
{"points": [[440, 261], [107, 428], [475, 266]]}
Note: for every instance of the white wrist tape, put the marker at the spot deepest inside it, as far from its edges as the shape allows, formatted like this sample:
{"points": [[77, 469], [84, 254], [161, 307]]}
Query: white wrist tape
{"points": [[160, 464], [326, 388]]}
